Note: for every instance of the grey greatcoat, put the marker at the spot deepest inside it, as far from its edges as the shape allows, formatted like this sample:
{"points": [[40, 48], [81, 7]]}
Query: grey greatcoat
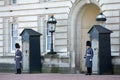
{"points": [[18, 59], [88, 57]]}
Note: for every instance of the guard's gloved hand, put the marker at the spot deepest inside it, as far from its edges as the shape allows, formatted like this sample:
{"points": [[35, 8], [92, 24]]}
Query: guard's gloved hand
{"points": [[90, 59]]}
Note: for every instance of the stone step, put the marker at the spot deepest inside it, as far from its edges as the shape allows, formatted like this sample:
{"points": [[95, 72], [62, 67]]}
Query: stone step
{"points": [[7, 67], [7, 64]]}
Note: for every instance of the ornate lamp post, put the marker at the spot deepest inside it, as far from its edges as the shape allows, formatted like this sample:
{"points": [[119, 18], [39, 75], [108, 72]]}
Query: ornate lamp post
{"points": [[51, 23]]}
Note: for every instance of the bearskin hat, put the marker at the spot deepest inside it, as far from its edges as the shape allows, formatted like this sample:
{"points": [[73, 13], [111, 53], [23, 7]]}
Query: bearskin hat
{"points": [[17, 45], [88, 43]]}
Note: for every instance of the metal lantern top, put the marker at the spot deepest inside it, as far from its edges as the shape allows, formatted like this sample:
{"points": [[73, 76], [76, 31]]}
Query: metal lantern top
{"points": [[52, 20], [51, 24], [101, 17]]}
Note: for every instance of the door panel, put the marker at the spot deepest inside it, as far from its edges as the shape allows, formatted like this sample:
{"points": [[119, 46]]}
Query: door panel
{"points": [[95, 57], [35, 61], [25, 57]]}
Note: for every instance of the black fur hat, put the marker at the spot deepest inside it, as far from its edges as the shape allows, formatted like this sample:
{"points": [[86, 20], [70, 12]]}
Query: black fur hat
{"points": [[17, 45], [88, 43]]}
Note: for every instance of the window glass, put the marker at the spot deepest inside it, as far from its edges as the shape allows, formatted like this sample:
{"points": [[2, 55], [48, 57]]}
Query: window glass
{"points": [[48, 39], [14, 35], [13, 1], [48, 43]]}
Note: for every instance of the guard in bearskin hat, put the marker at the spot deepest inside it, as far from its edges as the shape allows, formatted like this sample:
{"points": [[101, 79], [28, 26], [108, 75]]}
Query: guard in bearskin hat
{"points": [[18, 59], [88, 58]]}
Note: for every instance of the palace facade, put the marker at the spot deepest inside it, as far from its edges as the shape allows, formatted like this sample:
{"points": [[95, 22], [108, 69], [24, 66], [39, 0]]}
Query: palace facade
{"points": [[74, 19]]}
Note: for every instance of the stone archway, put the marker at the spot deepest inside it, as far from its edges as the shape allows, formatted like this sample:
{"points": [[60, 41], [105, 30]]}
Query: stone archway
{"points": [[88, 20], [82, 18]]}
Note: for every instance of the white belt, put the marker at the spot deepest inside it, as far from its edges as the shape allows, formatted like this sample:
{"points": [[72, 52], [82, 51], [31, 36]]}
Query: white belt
{"points": [[88, 55], [17, 56]]}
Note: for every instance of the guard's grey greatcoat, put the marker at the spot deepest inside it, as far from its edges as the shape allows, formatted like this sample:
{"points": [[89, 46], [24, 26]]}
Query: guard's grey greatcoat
{"points": [[88, 57], [18, 59]]}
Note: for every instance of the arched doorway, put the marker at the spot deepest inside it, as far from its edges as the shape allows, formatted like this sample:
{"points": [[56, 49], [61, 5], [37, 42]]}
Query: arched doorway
{"points": [[88, 20], [82, 18]]}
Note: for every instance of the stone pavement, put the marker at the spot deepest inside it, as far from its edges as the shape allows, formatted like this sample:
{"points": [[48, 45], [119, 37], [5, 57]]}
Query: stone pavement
{"points": [[47, 76]]}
